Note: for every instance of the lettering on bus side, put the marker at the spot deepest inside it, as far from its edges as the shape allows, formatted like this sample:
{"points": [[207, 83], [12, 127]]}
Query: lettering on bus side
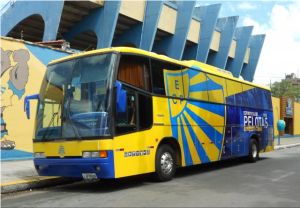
{"points": [[254, 122], [174, 95]]}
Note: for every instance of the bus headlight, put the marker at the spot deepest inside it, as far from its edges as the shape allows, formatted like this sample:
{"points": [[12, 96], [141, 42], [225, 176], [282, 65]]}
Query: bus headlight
{"points": [[94, 154], [39, 155]]}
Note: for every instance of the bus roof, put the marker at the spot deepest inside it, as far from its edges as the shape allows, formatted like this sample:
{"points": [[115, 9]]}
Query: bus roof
{"points": [[204, 67]]}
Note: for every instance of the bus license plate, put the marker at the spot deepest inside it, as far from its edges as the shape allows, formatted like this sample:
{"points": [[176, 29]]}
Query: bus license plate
{"points": [[89, 176]]}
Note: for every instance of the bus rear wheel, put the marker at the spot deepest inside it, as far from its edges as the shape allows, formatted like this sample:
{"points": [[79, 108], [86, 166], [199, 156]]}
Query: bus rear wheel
{"points": [[165, 163], [253, 151]]}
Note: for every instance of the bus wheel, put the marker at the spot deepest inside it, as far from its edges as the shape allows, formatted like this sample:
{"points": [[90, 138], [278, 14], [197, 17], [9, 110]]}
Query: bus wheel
{"points": [[165, 163], [253, 151]]}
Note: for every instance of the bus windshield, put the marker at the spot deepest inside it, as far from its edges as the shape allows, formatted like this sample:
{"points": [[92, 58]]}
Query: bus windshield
{"points": [[75, 98]]}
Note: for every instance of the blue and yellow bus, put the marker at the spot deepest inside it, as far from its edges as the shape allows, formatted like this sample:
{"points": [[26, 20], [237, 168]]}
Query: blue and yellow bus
{"points": [[118, 112]]}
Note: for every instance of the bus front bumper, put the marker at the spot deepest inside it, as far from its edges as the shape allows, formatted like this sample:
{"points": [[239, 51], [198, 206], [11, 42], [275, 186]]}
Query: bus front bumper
{"points": [[75, 167]]}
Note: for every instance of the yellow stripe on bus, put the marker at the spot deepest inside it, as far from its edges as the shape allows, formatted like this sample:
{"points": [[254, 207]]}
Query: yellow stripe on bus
{"points": [[200, 95], [180, 142], [212, 151], [216, 121], [192, 148], [216, 96], [198, 79]]}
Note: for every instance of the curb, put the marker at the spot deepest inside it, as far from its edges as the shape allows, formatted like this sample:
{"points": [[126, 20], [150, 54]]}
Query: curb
{"points": [[286, 146], [35, 183]]}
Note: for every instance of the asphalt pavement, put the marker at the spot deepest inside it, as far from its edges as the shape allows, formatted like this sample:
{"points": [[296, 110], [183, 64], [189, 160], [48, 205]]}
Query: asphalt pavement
{"points": [[273, 181], [21, 175]]}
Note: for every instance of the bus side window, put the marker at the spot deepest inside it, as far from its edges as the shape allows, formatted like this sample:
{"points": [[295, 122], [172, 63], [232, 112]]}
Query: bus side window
{"points": [[126, 121], [267, 99], [216, 88], [198, 85], [134, 70], [145, 112], [158, 79], [234, 92], [250, 96]]}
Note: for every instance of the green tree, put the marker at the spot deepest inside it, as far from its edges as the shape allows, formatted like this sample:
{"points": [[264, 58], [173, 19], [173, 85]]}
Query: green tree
{"points": [[285, 87]]}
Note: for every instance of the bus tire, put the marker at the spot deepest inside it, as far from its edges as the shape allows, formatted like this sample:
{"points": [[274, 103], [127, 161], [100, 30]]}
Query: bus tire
{"points": [[165, 163], [253, 151]]}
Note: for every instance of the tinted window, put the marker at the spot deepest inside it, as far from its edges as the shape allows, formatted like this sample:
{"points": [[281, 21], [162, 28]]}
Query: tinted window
{"points": [[167, 78], [250, 96], [234, 92], [145, 112], [134, 70], [196, 82], [216, 88]]}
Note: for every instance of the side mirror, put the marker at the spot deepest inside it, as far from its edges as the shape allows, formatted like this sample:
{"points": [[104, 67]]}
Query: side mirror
{"points": [[121, 98], [27, 103]]}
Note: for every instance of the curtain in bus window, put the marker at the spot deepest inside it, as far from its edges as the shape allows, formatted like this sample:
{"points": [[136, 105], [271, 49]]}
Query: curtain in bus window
{"points": [[251, 98], [234, 92], [216, 88], [197, 83], [131, 72]]}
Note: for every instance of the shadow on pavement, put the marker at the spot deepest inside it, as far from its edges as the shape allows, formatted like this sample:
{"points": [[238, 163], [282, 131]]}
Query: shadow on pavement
{"points": [[112, 185]]}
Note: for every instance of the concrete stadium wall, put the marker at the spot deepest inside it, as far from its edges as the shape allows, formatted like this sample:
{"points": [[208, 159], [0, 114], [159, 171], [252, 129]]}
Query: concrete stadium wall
{"points": [[23, 66], [297, 119]]}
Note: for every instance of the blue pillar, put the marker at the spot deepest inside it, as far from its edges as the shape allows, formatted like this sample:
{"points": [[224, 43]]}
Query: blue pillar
{"points": [[256, 44], [208, 16], [102, 21], [132, 35], [226, 26], [174, 45], [142, 34], [242, 35], [153, 11], [49, 10]]}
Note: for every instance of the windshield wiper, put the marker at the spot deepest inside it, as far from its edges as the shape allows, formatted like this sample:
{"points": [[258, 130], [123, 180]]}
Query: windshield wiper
{"points": [[72, 124], [52, 119]]}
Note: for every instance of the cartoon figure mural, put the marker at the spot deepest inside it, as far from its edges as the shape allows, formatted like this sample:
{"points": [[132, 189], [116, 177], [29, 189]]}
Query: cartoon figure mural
{"points": [[15, 86], [23, 66]]}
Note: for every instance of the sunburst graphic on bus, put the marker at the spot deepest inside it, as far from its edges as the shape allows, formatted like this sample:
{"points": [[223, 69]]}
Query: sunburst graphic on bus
{"points": [[198, 126]]}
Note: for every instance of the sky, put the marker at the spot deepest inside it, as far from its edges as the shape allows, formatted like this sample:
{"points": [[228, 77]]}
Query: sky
{"points": [[280, 21]]}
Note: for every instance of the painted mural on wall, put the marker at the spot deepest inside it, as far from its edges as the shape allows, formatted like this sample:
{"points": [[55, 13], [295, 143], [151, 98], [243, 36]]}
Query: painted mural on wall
{"points": [[13, 82], [23, 66]]}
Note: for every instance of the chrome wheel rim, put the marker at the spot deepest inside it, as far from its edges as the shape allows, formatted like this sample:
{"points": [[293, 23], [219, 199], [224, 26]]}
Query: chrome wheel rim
{"points": [[166, 162], [254, 151]]}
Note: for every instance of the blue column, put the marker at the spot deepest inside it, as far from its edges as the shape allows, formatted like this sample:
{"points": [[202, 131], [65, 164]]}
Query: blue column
{"points": [[242, 35], [256, 44], [226, 26], [49, 10], [208, 16], [153, 11], [174, 45], [142, 34], [102, 21], [132, 35]]}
